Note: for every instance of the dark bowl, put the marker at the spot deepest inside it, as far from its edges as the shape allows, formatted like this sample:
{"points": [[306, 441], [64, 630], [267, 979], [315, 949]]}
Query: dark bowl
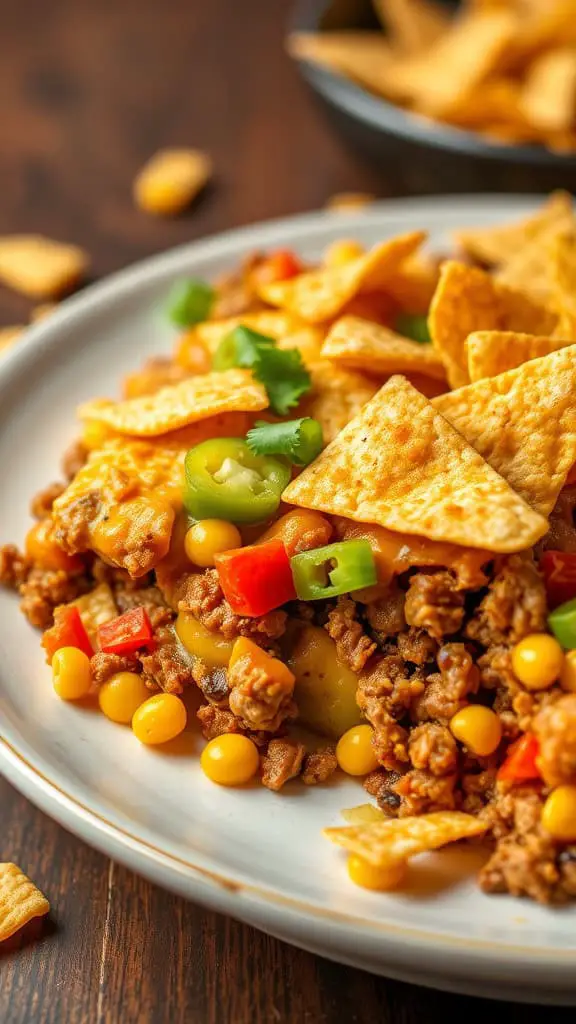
{"points": [[370, 120]]}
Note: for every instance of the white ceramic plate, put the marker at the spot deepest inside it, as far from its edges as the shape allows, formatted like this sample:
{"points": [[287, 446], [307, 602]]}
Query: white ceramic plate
{"points": [[252, 854]]}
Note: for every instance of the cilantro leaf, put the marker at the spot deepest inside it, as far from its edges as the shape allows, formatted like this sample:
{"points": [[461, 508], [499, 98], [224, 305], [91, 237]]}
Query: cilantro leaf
{"points": [[300, 440], [282, 373]]}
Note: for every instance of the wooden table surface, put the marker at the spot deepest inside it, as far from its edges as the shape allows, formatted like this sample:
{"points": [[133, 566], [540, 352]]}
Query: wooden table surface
{"points": [[90, 88]]}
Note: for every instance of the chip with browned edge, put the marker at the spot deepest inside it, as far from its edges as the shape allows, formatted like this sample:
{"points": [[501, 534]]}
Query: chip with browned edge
{"points": [[383, 843], [363, 345], [20, 900], [194, 399], [467, 299], [320, 294], [523, 423], [401, 465], [494, 352]]}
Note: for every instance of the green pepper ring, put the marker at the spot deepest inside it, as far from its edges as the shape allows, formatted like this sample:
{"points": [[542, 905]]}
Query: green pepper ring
{"points": [[205, 498]]}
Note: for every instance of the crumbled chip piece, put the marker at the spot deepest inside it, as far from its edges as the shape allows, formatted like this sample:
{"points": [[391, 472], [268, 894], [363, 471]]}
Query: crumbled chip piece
{"points": [[8, 335], [96, 607], [171, 179], [493, 352], [466, 300], [362, 345], [523, 423], [363, 814], [337, 396], [396, 839], [176, 406], [499, 244], [20, 900], [400, 465], [344, 202], [321, 294], [40, 267]]}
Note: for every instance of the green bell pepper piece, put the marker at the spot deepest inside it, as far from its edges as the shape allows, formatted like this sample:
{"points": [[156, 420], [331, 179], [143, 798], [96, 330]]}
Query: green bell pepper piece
{"points": [[414, 326], [334, 569], [562, 622], [189, 302], [225, 480]]}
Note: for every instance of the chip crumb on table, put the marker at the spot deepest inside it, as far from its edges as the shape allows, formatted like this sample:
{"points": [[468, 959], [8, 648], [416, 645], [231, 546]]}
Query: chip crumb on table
{"points": [[40, 267], [171, 180], [20, 900]]}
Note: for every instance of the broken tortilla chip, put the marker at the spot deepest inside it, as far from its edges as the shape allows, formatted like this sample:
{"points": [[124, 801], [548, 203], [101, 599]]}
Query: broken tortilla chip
{"points": [[548, 98], [365, 57], [176, 406], [466, 300], [412, 25], [523, 423], [383, 843], [321, 294], [20, 900], [401, 465], [336, 397], [497, 245], [361, 345], [493, 352]]}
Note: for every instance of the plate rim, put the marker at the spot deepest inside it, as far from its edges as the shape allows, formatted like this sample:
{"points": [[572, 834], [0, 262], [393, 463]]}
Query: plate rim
{"points": [[266, 908]]}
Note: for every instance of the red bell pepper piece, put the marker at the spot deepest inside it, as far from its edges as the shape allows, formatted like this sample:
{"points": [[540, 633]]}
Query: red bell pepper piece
{"points": [[257, 578], [278, 266], [126, 634], [559, 568], [520, 764], [68, 631]]}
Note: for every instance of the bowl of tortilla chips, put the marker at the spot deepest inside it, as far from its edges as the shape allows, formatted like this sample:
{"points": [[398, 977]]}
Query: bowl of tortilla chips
{"points": [[489, 78]]}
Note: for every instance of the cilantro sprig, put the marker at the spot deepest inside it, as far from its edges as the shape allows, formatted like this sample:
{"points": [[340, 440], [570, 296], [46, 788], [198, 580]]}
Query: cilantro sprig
{"points": [[300, 440], [282, 373]]}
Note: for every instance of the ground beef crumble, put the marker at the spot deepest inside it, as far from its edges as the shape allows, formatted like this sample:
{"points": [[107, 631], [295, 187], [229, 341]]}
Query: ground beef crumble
{"points": [[319, 766], [167, 667], [260, 700], [421, 792], [41, 504], [202, 595], [446, 691], [386, 615], [14, 567], [45, 589], [215, 721], [353, 646], [432, 748], [555, 728], [434, 603], [281, 762], [514, 606], [104, 666]]}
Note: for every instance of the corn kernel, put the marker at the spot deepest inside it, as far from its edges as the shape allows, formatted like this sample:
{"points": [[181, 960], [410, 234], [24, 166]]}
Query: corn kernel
{"points": [[537, 661], [159, 719], [559, 814], [369, 876], [171, 179], [121, 696], [478, 728], [230, 760], [208, 538], [354, 751], [71, 673]]}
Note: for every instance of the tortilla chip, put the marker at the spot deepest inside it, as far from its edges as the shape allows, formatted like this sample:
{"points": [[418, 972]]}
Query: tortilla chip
{"points": [[308, 340], [361, 345], [336, 397], [413, 284], [493, 352], [460, 60], [20, 900], [496, 103], [122, 504], [523, 423], [562, 253], [466, 300], [499, 244], [362, 56], [210, 333], [548, 99], [194, 399], [385, 842], [412, 25], [320, 294], [401, 465]]}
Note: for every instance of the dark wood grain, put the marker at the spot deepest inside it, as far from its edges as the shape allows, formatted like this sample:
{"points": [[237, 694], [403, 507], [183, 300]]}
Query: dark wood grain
{"points": [[89, 89]]}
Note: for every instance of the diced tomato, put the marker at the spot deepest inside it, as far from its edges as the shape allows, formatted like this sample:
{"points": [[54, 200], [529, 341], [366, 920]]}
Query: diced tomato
{"points": [[278, 266], [126, 634], [257, 578], [520, 764], [68, 631], [559, 568]]}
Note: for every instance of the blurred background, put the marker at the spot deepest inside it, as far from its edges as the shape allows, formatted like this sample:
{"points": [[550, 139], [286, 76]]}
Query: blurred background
{"points": [[92, 88]]}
